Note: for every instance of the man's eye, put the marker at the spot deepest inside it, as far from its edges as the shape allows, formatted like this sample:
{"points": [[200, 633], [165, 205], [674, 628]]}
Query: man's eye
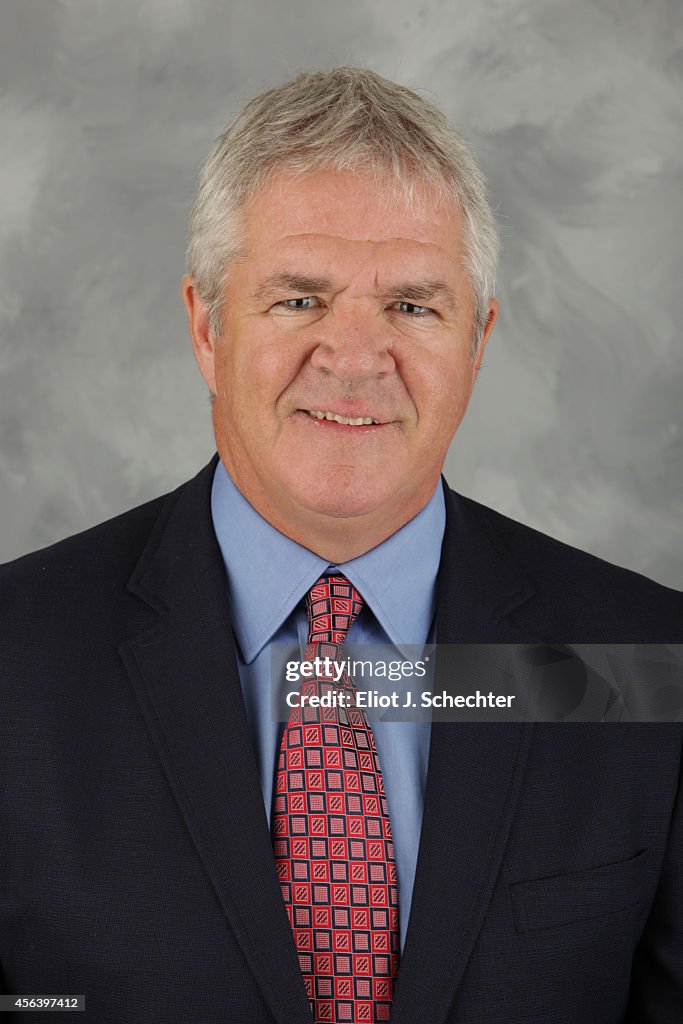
{"points": [[307, 302], [412, 309]]}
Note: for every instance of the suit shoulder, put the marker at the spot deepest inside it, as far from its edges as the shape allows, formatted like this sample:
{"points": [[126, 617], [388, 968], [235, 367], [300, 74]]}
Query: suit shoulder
{"points": [[99, 559], [84, 577], [566, 576]]}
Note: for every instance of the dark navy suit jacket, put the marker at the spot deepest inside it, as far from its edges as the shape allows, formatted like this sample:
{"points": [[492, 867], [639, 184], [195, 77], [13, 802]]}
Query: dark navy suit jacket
{"points": [[135, 858]]}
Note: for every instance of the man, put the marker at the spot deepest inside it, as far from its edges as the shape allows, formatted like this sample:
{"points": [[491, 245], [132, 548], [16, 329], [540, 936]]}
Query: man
{"points": [[340, 298]]}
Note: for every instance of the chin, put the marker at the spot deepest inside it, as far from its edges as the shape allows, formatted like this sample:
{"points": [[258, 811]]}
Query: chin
{"points": [[340, 502]]}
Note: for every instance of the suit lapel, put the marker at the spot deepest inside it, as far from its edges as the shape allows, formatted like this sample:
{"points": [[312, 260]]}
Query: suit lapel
{"points": [[186, 679], [473, 784]]}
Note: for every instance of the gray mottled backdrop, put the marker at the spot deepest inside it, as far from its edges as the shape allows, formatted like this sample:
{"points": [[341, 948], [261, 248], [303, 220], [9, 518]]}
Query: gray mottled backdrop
{"points": [[575, 109]]}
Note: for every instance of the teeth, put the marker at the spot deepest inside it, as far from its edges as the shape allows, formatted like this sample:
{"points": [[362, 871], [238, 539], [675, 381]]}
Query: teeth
{"points": [[358, 421]]}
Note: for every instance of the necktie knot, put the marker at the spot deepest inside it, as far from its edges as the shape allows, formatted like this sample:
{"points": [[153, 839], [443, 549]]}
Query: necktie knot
{"points": [[332, 605]]}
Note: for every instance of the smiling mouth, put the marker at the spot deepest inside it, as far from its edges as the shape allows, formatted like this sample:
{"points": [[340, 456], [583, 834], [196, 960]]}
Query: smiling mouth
{"points": [[336, 417]]}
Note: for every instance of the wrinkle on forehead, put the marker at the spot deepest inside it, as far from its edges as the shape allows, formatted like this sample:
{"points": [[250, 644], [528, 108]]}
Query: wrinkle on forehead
{"points": [[397, 256], [329, 236]]}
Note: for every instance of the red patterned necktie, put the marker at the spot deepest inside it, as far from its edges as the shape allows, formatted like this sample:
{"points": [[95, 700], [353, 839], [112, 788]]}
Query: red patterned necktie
{"points": [[331, 835]]}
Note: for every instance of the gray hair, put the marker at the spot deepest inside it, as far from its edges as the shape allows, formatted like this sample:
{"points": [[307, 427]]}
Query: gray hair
{"points": [[347, 119]]}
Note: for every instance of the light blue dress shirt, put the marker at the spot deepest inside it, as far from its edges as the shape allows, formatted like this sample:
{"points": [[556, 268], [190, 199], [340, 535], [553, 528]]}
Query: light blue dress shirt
{"points": [[268, 578]]}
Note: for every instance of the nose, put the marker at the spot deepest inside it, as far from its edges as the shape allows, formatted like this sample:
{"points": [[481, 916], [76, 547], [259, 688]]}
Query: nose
{"points": [[354, 347]]}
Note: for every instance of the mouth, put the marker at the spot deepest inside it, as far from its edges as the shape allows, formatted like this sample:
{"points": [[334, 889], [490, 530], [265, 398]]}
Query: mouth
{"points": [[337, 417]]}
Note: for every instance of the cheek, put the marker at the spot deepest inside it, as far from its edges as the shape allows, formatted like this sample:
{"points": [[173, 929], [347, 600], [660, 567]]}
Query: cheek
{"points": [[439, 384], [249, 373], [223, 365], [267, 366]]}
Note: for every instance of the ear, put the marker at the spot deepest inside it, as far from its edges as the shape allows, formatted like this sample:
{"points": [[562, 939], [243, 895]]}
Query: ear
{"points": [[203, 339], [490, 321]]}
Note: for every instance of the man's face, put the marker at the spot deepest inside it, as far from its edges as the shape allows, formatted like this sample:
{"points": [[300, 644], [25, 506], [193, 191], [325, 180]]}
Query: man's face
{"points": [[347, 306]]}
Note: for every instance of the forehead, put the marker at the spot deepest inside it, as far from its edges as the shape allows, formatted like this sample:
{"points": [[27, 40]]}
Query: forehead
{"points": [[350, 219]]}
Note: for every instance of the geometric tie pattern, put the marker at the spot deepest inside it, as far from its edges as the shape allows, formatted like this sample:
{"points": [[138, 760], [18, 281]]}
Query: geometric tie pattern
{"points": [[332, 840]]}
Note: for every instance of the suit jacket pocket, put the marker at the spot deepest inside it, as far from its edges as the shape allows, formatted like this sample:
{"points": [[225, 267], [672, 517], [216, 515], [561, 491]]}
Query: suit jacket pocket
{"points": [[580, 895]]}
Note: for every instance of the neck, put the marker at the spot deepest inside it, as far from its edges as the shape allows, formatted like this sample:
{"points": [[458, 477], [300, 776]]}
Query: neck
{"points": [[336, 538]]}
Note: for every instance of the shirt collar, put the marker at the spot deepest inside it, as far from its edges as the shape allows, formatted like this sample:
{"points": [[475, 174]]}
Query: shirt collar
{"points": [[269, 574]]}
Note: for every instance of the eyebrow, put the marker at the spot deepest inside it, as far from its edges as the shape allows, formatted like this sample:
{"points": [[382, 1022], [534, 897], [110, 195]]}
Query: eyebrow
{"points": [[284, 279], [419, 292]]}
